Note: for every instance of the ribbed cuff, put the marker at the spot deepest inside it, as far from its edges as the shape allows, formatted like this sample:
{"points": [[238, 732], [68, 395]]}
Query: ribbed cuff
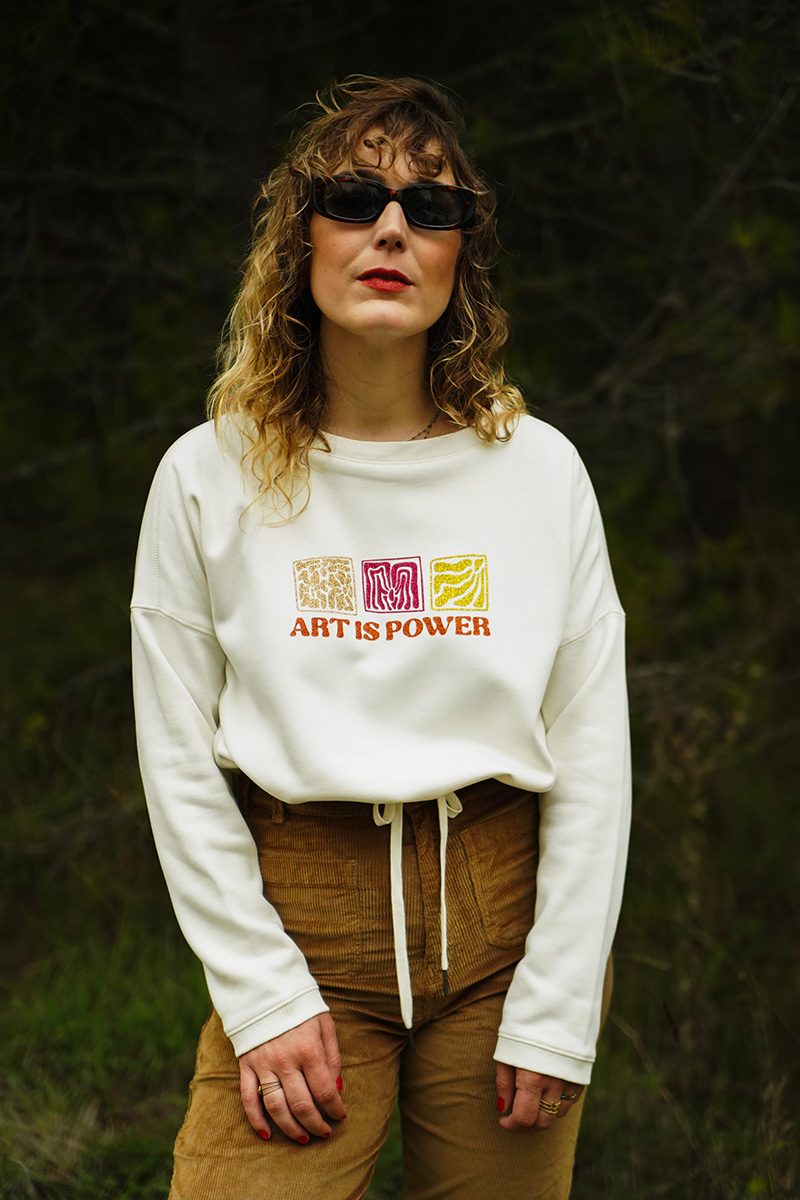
{"points": [[529, 1057], [280, 1020]]}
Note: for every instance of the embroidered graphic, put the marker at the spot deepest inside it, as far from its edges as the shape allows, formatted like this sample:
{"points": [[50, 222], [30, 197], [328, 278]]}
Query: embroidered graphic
{"points": [[460, 582], [392, 584], [325, 584]]}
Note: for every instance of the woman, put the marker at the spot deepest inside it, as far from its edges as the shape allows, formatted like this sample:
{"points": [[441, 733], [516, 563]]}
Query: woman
{"points": [[380, 698]]}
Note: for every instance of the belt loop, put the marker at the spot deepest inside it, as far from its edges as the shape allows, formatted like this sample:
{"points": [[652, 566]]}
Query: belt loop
{"points": [[278, 811]]}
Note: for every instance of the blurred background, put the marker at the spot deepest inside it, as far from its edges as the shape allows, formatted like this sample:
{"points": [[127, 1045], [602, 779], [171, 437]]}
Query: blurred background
{"points": [[646, 157]]}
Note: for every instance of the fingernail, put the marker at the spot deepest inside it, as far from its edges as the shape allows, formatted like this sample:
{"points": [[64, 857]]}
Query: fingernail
{"points": [[338, 1083], [262, 1133], [303, 1140], [326, 1135], [501, 1104]]}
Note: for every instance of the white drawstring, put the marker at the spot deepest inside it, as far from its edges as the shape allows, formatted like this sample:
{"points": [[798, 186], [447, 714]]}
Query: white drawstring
{"points": [[448, 806], [392, 814]]}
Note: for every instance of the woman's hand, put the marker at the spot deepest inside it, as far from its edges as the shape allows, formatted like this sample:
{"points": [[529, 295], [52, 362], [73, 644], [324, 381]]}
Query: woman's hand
{"points": [[519, 1093], [305, 1061]]}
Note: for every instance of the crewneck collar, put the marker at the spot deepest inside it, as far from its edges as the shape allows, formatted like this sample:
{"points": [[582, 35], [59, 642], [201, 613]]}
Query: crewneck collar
{"points": [[400, 452]]}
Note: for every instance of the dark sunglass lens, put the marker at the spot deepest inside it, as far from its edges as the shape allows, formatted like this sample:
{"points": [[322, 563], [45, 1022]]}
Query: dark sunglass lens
{"points": [[351, 200], [436, 207]]}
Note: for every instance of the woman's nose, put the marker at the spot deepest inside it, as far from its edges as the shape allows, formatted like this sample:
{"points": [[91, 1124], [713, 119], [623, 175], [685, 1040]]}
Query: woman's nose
{"points": [[391, 227]]}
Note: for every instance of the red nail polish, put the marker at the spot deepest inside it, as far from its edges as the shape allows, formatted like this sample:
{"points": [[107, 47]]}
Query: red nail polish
{"points": [[326, 1135], [501, 1104], [338, 1083], [262, 1133], [303, 1140]]}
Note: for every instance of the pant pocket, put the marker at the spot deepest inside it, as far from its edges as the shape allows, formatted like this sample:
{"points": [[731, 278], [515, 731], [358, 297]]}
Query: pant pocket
{"points": [[502, 855], [317, 901]]}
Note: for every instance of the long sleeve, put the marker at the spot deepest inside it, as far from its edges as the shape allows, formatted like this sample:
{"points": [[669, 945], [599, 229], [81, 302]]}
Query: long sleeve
{"points": [[258, 979], [552, 1011]]}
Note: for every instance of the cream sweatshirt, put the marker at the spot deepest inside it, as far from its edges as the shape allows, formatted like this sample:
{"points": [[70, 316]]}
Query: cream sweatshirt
{"points": [[443, 611]]}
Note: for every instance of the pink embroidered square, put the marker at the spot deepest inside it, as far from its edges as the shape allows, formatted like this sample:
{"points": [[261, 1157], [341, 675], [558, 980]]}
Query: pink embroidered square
{"points": [[392, 584]]}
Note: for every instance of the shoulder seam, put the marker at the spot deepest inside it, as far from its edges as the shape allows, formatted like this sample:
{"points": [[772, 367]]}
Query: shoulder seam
{"points": [[160, 612], [612, 612]]}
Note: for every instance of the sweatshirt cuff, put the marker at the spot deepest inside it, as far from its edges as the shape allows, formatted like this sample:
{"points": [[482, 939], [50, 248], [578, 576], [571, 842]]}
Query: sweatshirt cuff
{"points": [[280, 1020], [516, 1053]]}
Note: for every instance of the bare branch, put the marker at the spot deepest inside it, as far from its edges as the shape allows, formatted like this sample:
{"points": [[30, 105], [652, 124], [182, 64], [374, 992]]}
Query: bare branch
{"points": [[548, 129], [732, 174]]}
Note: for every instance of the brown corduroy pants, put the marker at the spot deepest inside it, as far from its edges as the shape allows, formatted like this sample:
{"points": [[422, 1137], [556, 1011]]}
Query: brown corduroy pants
{"points": [[326, 870]]}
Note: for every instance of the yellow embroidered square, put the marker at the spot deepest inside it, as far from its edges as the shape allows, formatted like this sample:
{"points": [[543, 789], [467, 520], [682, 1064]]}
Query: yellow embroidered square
{"points": [[460, 582]]}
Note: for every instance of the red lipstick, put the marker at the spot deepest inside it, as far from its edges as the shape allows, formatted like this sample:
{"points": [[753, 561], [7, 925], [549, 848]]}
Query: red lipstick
{"points": [[384, 280]]}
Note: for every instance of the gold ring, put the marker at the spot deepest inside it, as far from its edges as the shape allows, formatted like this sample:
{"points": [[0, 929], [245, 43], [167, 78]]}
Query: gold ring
{"points": [[264, 1089], [550, 1106], [572, 1096]]}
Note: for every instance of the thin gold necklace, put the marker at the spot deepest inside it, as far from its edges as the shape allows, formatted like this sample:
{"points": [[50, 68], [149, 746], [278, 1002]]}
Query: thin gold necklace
{"points": [[423, 433]]}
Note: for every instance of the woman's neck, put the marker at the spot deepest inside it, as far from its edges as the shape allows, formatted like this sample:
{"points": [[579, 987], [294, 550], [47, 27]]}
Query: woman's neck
{"points": [[377, 391]]}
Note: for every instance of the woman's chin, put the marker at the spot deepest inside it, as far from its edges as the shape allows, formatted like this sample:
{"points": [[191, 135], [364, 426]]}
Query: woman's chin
{"points": [[382, 328]]}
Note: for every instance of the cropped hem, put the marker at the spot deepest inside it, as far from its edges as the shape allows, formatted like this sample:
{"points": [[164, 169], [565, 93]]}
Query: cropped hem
{"points": [[280, 1020]]}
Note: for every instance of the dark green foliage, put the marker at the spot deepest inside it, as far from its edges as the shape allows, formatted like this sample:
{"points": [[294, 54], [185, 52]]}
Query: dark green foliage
{"points": [[646, 159]]}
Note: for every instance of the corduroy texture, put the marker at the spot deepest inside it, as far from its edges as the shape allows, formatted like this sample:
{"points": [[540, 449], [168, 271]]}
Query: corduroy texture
{"points": [[326, 870]]}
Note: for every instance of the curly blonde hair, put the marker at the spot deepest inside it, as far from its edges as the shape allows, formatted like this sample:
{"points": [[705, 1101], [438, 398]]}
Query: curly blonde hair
{"points": [[271, 379]]}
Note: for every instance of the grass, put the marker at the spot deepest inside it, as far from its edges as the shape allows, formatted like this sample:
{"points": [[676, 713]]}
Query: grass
{"points": [[97, 1048]]}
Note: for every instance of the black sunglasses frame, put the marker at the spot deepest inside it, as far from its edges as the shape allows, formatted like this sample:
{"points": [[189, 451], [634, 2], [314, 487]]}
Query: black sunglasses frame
{"points": [[385, 195]]}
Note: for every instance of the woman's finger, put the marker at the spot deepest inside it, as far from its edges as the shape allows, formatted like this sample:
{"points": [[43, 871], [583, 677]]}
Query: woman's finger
{"points": [[310, 1084], [505, 1086], [549, 1105], [331, 1047], [251, 1101], [570, 1094], [524, 1111], [321, 1083], [293, 1110]]}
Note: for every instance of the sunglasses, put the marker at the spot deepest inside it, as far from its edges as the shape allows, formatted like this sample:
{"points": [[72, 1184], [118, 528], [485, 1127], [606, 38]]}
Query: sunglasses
{"points": [[361, 201]]}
